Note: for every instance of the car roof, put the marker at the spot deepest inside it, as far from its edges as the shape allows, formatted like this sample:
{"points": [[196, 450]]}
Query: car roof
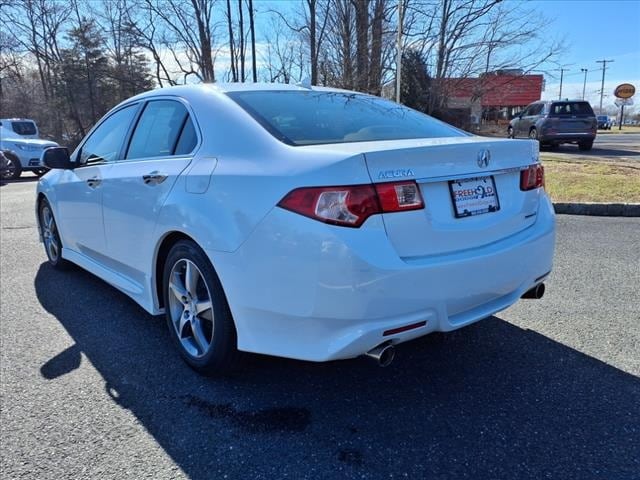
{"points": [[223, 88]]}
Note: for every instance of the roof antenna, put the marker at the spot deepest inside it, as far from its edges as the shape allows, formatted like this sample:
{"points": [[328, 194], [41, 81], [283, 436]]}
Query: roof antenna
{"points": [[305, 83]]}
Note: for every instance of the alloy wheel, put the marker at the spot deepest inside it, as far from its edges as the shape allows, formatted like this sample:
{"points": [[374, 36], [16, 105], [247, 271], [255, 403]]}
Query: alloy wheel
{"points": [[50, 234], [191, 308]]}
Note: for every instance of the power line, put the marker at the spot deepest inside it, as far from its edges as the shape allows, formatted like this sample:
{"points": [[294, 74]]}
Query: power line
{"points": [[604, 69]]}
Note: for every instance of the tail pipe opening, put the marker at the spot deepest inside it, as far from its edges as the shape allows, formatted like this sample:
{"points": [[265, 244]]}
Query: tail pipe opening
{"points": [[536, 292], [383, 354]]}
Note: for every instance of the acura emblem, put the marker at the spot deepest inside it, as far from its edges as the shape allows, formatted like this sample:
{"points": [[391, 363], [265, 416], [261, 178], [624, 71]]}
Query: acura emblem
{"points": [[483, 158]]}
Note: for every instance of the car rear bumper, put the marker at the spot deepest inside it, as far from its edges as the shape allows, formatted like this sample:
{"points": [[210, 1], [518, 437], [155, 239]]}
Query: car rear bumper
{"points": [[302, 289], [567, 137]]}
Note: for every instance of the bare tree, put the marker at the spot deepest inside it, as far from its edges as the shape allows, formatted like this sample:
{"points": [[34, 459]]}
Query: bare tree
{"points": [[187, 32]]}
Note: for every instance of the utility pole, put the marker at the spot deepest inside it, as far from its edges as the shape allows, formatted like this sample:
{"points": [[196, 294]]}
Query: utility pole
{"points": [[562, 70], [584, 85], [399, 57], [604, 69]]}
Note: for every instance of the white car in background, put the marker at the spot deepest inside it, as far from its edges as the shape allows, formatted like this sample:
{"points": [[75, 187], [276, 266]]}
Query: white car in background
{"points": [[309, 223], [19, 139]]}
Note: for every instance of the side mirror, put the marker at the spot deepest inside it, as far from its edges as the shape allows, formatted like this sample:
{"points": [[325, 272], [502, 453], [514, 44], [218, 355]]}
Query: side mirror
{"points": [[57, 157]]}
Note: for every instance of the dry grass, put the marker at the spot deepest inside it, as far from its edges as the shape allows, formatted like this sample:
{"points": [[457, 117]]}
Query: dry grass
{"points": [[588, 181], [625, 129]]}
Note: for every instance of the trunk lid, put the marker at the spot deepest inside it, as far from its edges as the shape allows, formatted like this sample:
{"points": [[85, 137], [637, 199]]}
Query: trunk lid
{"points": [[436, 229]]}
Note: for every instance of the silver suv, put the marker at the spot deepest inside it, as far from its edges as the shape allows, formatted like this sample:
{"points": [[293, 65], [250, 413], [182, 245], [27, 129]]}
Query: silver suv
{"points": [[20, 142], [556, 122]]}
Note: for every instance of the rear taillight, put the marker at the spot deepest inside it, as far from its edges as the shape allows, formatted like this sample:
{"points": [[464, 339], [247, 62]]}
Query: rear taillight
{"points": [[532, 177], [399, 196], [350, 206]]}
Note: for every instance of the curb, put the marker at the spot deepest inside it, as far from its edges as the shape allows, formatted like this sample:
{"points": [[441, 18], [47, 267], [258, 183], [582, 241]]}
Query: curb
{"points": [[599, 209]]}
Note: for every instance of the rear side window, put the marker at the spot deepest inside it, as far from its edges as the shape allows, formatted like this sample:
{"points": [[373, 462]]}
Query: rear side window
{"points": [[24, 128], [159, 130], [105, 142], [188, 139], [317, 117], [571, 108]]}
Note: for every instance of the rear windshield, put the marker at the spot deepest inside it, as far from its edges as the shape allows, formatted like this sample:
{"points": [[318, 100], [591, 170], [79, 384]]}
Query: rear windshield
{"points": [[24, 128], [314, 118], [603, 117], [571, 108]]}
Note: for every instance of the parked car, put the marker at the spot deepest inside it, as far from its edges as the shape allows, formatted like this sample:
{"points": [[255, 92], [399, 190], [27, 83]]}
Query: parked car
{"points": [[556, 122], [309, 223], [604, 122], [20, 136]]}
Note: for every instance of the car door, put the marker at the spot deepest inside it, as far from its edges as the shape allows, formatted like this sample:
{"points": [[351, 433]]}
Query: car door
{"points": [[527, 120], [135, 188], [79, 191], [517, 122]]}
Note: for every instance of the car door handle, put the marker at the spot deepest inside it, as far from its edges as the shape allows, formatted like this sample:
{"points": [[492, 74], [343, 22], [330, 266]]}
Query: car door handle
{"points": [[93, 182], [154, 178]]}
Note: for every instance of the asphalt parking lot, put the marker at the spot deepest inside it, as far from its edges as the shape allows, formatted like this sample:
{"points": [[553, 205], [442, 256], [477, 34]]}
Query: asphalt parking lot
{"points": [[91, 387]]}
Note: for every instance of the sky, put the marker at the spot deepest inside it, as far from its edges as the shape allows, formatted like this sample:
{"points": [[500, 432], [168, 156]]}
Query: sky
{"points": [[595, 30]]}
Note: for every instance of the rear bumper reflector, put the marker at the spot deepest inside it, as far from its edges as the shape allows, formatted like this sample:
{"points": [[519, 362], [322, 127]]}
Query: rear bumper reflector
{"points": [[393, 331]]}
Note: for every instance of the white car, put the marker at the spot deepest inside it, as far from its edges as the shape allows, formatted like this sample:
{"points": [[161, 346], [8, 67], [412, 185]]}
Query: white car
{"points": [[309, 223], [19, 137]]}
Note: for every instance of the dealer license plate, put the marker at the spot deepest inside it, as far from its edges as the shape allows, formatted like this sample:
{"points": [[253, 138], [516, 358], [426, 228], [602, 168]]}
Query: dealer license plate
{"points": [[474, 196]]}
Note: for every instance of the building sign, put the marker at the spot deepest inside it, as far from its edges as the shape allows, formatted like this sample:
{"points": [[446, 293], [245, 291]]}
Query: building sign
{"points": [[625, 90]]}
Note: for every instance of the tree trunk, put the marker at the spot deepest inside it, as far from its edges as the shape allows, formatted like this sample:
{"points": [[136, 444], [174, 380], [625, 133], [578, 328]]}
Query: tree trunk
{"points": [[241, 38], [253, 43], [362, 44], [375, 67], [232, 56], [313, 50]]}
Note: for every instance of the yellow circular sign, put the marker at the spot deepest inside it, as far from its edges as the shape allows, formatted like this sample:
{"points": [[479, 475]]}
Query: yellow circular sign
{"points": [[624, 90]]}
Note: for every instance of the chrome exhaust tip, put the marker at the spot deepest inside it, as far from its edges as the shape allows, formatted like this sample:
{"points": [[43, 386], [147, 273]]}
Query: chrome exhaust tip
{"points": [[536, 292], [383, 354]]}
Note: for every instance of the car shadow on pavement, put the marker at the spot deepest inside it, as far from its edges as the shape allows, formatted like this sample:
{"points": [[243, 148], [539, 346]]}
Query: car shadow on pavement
{"points": [[488, 401]]}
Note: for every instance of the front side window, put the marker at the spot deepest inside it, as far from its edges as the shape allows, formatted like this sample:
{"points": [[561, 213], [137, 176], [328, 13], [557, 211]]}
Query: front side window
{"points": [[535, 109], [105, 142], [317, 117], [159, 130]]}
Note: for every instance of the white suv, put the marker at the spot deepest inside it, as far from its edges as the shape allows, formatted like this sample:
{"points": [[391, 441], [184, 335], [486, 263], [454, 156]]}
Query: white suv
{"points": [[20, 143]]}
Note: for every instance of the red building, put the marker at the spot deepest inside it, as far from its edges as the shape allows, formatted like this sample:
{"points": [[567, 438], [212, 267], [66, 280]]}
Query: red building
{"points": [[493, 96]]}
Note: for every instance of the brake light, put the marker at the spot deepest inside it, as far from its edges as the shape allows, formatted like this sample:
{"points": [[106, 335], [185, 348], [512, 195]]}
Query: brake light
{"points": [[399, 196], [351, 205], [532, 177]]}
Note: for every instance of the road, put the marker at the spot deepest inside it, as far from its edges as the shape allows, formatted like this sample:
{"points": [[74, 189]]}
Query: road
{"points": [[607, 146], [91, 387]]}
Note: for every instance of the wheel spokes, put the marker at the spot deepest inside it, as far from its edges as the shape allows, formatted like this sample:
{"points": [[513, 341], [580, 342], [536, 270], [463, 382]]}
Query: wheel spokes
{"points": [[202, 306], [199, 336], [191, 277], [190, 307], [176, 285]]}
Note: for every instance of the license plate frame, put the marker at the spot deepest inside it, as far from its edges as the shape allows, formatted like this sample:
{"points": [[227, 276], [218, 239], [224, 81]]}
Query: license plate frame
{"points": [[479, 199]]}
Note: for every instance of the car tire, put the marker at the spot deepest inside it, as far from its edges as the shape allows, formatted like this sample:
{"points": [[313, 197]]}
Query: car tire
{"points": [[197, 312], [51, 236], [585, 146], [533, 134], [510, 132], [14, 169]]}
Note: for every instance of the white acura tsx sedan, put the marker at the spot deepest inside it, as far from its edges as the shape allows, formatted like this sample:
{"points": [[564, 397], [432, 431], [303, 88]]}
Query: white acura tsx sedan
{"points": [[309, 223]]}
